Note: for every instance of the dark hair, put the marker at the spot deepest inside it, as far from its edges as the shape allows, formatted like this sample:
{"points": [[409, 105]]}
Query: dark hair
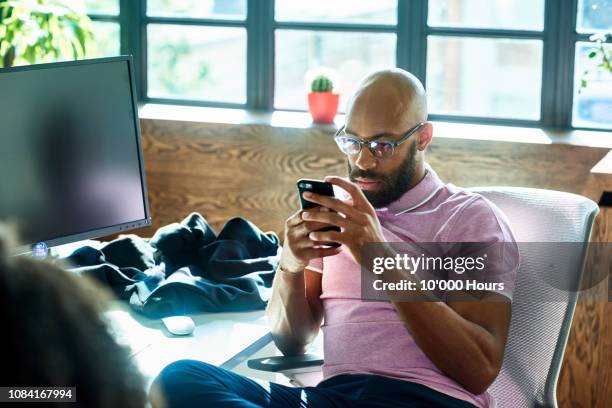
{"points": [[54, 335]]}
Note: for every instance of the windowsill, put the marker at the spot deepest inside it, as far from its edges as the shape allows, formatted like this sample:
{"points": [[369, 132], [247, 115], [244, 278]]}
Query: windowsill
{"points": [[443, 129], [230, 116]]}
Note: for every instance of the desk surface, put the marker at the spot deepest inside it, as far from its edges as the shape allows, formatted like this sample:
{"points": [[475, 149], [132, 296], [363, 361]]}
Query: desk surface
{"points": [[223, 339]]}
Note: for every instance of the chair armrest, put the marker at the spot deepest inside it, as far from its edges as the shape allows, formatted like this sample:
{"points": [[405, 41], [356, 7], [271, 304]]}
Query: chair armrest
{"points": [[287, 364]]}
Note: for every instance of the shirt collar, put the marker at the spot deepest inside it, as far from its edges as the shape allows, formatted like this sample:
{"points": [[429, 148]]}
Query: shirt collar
{"points": [[417, 195]]}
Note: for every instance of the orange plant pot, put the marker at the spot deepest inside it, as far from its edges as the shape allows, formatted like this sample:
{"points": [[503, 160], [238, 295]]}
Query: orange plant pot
{"points": [[323, 106]]}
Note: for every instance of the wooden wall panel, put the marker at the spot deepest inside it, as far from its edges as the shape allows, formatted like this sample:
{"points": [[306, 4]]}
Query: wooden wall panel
{"points": [[586, 377], [229, 170], [224, 171]]}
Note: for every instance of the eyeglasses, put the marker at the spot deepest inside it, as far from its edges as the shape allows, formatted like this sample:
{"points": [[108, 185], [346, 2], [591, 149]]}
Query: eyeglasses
{"points": [[351, 146]]}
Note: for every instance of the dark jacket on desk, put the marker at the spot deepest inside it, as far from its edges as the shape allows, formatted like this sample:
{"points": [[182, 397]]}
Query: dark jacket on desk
{"points": [[187, 268]]}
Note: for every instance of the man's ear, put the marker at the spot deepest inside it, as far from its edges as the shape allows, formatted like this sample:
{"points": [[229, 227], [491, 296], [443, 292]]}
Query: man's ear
{"points": [[424, 137]]}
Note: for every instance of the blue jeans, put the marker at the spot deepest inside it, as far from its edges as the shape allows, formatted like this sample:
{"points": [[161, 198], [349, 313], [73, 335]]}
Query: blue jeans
{"points": [[189, 383]]}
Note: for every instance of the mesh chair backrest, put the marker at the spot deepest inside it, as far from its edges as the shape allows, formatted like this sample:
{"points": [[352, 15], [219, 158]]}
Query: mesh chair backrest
{"points": [[539, 328]]}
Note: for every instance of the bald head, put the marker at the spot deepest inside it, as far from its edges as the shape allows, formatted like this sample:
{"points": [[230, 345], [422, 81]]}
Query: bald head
{"points": [[389, 99]]}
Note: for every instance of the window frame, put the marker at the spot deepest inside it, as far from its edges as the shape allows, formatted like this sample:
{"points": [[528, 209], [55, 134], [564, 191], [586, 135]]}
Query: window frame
{"points": [[108, 18], [559, 36], [572, 40]]}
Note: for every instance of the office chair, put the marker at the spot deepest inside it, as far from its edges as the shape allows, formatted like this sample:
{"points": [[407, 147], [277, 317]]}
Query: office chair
{"points": [[541, 313]]}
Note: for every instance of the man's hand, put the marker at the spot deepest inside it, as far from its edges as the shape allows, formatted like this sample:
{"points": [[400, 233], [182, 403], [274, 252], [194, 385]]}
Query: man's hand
{"points": [[298, 248], [356, 218]]}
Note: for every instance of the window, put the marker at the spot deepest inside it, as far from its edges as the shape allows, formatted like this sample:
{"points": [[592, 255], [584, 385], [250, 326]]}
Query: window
{"points": [[351, 37], [106, 29], [494, 61], [197, 50], [486, 77], [223, 10], [594, 15], [352, 54], [484, 58], [198, 63], [592, 104], [339, 11], [490, 14]]}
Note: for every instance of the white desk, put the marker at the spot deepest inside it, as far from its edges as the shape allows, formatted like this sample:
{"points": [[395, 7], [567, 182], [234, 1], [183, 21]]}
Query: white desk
{"points": [[222, 339]]}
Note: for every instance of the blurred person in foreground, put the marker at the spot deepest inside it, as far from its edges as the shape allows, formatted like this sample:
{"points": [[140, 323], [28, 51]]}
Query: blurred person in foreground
{"points": [[54, 334]]}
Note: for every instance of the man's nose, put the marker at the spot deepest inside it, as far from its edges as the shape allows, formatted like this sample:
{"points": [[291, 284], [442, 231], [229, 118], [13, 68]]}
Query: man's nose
{"points": [[365, 159]]}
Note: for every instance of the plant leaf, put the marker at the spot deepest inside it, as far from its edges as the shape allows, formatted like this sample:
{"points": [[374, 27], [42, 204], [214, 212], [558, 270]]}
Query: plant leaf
{"points": [[43, 30]]}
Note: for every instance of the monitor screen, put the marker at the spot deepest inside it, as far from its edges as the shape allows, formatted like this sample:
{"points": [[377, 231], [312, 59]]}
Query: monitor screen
{"points": [[70, 157]]}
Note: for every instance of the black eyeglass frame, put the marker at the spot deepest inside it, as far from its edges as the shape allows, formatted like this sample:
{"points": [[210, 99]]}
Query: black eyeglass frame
{"points": [[372, 144]]}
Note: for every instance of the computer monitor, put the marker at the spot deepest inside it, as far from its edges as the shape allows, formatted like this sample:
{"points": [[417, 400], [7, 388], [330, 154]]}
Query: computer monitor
{"points": [[71, 163]]}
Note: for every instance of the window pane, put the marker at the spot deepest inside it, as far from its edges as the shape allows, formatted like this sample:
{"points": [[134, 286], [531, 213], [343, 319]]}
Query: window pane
{"points": [[484, 77], [102, 7], [594, 15], [222, 9], [506, 14], [344, 11], [351, 55], [593, 104], [204, 63], [106, 37]]}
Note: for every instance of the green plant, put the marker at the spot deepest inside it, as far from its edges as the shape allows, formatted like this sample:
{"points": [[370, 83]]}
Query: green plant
{"points": [[322, 83], [605, 54], [33, 31]]}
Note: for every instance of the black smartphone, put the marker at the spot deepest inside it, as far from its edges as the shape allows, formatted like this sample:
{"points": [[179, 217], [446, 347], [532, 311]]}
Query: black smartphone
{"points": [[321, 188], [314, 186]]}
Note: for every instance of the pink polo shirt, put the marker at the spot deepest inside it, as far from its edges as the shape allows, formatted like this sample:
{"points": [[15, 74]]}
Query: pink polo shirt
{"points": [[370, 337]]}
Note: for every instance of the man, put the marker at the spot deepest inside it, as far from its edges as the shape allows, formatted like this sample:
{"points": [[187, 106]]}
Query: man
{"points": [[379, 354]]}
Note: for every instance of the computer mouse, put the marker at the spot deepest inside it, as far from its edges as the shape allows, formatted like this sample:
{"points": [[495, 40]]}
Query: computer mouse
{"points": [[179, 325]]}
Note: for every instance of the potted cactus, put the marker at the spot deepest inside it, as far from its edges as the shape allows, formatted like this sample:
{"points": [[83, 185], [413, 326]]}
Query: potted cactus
{"points": [[322, 101]]}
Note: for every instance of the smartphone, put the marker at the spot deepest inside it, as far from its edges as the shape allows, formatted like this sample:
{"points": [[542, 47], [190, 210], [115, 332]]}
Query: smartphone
{"points": [[314, 186], [321, 188]]}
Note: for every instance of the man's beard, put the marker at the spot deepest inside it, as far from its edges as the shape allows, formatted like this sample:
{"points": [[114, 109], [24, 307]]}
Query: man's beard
{"points": [[393, 186]]}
